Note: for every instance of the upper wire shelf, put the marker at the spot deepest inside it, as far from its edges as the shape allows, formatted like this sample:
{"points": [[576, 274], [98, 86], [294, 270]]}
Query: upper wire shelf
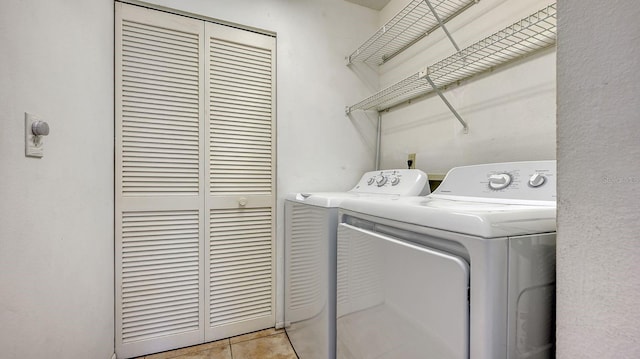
{"points": [[526, 36], [411, 24]]}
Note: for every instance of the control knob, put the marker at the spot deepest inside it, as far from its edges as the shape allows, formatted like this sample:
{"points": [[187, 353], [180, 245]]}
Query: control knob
{"points": [[370, 181], [499, 181], [537, 180], [394, 180], [381, 180]]}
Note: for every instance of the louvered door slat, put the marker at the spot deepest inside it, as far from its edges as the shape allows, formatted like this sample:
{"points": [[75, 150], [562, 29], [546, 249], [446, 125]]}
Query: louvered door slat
{"points": [[240, 83], [242, 105], [239, 111], [230, 118], [230, 147], [158, 70], [159, 32], [159, 92], [238, 51], [233, 126], [234, 89]]}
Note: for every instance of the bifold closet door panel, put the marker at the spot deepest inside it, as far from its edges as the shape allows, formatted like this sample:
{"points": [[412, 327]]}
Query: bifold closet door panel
{"points": [[240, 181], [159, 168]]}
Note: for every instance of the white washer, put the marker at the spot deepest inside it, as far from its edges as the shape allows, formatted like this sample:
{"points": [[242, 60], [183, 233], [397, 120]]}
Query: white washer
{"points": [[466, 272], [310, 256]]}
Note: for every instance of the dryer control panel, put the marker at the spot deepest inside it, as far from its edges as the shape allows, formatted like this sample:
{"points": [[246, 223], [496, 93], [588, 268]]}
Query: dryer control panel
{"points": [[403, 182], [509, 181]]}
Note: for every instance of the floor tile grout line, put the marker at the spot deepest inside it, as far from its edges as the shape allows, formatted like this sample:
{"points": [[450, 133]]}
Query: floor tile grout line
{"points": [[290, 344], [248, 340]]}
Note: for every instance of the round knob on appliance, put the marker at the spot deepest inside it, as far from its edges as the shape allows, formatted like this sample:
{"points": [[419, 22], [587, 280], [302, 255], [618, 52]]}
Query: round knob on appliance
{"points": [[371, 180], [381, 180], [499, 181], [394, 180], [537, 180]]}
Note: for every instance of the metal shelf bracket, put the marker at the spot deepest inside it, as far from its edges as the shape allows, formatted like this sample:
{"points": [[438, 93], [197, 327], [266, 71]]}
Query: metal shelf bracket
{"points": [[442, 25], [425, 74]]}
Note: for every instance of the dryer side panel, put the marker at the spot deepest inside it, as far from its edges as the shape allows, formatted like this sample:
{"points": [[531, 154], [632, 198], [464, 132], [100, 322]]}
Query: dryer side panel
{"points": [[532, 289]]}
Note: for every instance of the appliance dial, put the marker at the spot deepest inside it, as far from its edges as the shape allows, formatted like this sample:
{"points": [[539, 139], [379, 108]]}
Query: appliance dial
{"points": [[370, 181], [381, 180], [394, 180], [499, 181], [537, 180]]}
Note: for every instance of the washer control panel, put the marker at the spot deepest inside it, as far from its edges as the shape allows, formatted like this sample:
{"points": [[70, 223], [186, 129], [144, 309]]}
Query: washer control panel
{"points": [[530, 180], [404, 182]]}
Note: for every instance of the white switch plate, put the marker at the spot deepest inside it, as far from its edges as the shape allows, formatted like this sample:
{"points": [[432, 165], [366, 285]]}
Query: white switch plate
{"points": [[33, 145]]}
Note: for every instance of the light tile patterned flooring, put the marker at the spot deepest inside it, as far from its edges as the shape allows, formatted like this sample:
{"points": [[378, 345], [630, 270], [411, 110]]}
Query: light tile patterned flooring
{"points": [[264, 344]]}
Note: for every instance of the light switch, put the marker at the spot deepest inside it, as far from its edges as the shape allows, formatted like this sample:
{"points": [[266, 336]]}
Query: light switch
{"points": [[34, 131]]}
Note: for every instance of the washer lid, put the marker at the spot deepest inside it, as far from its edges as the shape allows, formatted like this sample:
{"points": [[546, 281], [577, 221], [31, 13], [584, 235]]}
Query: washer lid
{"points": [[385, 183], [321, 199], [482, 219]]}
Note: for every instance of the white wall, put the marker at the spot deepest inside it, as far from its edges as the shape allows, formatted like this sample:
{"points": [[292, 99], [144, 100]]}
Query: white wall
{"points": [[56, 213], [510, 111], [598, 180], [319, 148]]}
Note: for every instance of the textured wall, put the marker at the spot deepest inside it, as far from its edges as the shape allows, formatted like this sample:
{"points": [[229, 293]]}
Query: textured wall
{"points": [[599, 180], [56, 213]]}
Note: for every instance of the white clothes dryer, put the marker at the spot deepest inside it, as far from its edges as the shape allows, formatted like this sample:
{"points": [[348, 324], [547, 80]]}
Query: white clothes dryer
{"points": [[311, 221], [465, 272]]}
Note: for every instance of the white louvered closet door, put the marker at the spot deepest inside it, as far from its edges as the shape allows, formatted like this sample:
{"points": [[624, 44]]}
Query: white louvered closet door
{"points": [[159, 181], [240, 162], [195, 181]]}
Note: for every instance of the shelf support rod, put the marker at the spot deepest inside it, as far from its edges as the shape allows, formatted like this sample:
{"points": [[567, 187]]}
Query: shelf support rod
{"points": [[446, 102], [442, 25], [378, 140]]}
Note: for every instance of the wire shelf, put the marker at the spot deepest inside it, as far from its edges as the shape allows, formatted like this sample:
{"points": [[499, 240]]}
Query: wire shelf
{"points": [[412, 23], [526, 36]]}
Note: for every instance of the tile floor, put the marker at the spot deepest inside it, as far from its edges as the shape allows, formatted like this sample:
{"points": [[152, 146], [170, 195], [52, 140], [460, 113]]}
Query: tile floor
{"points": [[264, 344]]}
